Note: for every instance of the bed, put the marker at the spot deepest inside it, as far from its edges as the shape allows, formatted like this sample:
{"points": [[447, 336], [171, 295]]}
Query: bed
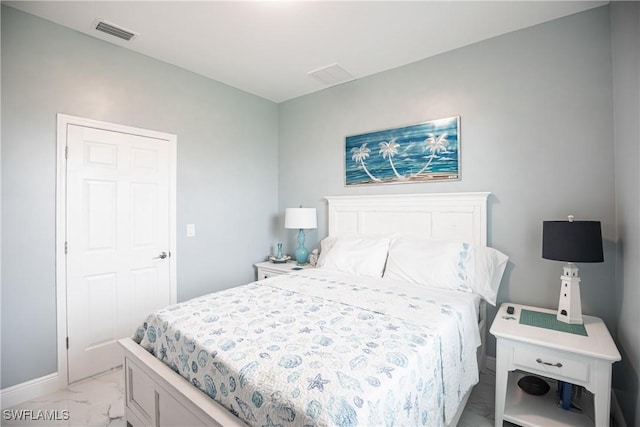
{"points": [[359, 341]]}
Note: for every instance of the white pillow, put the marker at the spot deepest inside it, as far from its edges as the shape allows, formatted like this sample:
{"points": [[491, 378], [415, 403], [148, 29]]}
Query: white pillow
{"points": [[325, 247], [447, 264], [438, 263], [490, 266], [361, 256]]}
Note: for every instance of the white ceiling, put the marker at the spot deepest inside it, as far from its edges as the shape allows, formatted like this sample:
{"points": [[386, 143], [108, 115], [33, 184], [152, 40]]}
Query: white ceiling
{"points": [[267, 47]]}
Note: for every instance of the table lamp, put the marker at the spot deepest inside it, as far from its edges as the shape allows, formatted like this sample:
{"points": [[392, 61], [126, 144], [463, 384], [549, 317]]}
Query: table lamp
{"points": [[301, 219], [571, 241]]}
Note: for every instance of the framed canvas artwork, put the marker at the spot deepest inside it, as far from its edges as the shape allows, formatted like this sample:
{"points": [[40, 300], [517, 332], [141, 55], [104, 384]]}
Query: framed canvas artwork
{"points": [[428, 151]]}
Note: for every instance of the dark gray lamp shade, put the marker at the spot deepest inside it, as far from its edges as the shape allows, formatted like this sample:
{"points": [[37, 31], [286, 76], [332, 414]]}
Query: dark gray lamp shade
{"points": [[572, 241]]}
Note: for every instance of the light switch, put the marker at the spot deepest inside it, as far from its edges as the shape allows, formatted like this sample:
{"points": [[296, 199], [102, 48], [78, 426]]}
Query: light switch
{"points": [[191, 230]]}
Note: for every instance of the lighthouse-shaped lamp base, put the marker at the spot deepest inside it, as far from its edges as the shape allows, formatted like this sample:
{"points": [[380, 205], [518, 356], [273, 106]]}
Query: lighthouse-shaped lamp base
{"points": [[569, 306]]}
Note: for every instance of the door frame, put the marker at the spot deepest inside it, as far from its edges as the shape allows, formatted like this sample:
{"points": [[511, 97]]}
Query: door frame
{"points": [[63, 121]]}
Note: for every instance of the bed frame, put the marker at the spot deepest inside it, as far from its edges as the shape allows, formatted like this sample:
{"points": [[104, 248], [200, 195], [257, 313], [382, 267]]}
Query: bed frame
{"points": [[155, 395]]}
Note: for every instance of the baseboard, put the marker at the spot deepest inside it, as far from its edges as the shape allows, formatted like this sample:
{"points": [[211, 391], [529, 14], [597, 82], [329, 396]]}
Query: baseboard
{"points": [[32, 389], [489, 364]]}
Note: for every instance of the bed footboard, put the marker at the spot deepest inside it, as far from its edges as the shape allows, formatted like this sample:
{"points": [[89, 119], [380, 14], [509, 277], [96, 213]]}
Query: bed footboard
{"points": [[157, 396]]}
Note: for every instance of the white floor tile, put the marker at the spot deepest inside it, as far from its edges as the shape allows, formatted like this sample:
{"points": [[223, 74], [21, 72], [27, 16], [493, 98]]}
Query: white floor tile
{"points": [[99, 401]]}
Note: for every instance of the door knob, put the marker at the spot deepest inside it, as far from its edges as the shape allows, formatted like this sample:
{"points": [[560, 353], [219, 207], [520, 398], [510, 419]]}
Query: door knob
{"points": [[162, 255]]}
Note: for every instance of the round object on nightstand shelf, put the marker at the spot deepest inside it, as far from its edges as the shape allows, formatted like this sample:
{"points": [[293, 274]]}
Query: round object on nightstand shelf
{"points": [[533, 385]]}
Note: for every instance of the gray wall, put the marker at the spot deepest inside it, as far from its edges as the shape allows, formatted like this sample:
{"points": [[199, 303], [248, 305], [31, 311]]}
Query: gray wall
{"points": [[625, 34], [536, 131], [227, 169]]}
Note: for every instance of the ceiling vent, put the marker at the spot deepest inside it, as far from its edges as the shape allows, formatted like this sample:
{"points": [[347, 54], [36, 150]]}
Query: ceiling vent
{"points": [[331, 75], [114, 30]]}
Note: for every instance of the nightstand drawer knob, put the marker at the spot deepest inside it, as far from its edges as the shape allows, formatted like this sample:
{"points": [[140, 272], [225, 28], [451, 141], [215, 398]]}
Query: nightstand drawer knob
{"points": [[557, 365]]}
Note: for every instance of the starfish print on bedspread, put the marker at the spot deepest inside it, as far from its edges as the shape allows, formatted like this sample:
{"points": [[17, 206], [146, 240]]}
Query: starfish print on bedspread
{"points": [[163, 352], [317, 382]]}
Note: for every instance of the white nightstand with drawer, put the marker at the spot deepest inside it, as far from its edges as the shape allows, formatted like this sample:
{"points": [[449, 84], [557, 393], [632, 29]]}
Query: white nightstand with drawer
{"points": [[269, 269], [581, 360]]}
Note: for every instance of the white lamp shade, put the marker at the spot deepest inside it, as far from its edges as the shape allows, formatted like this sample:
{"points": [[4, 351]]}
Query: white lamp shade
{"points": [[300, 218]]}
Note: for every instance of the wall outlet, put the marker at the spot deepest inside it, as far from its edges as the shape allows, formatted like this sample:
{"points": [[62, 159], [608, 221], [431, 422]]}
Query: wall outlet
{"points": [[191, 230]]}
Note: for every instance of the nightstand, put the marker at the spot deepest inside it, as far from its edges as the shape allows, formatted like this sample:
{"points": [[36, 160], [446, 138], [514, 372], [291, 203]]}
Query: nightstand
{"points": [[269, 269], [580, 360]]}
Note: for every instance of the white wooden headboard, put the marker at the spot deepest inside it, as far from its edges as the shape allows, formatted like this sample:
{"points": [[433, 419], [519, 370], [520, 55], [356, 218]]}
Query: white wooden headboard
{"points": [[461, 216]]}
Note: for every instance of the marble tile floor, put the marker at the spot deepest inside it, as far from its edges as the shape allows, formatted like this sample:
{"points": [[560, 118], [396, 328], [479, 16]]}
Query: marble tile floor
{"points": [[99, 401]]}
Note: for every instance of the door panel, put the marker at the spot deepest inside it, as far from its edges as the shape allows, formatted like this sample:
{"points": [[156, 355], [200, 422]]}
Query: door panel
{"points": [[117, 223], [144, 202], [100, 211], [101, 296]]}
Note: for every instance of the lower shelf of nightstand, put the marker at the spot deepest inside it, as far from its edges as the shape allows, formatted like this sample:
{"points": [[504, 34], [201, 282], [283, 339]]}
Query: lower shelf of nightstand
{"points": [[527, 410]]}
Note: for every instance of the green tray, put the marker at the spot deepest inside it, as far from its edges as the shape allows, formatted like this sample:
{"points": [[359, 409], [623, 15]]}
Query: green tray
{"points": [[549, 321]]}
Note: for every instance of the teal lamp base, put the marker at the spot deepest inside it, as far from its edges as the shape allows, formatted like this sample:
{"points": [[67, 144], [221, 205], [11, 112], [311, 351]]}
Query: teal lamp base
{"points": [[301, 253]]}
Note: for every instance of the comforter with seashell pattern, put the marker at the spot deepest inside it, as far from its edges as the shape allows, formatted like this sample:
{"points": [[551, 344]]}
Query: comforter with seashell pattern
{"points": [[323, 348]]}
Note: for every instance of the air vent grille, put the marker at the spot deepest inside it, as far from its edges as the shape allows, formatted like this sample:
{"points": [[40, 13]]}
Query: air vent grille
{"points": [[331, 75], [114, 30]]}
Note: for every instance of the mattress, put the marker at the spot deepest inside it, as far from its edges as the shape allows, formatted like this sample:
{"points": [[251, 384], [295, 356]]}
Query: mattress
{"points": [[324, 348]]}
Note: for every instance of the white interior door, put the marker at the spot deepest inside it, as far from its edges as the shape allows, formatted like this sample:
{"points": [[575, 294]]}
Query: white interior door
{"points": [[118, 234]]}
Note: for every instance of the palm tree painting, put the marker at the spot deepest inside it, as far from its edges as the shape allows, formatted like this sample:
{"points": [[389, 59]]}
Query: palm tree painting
{"points": [[359, 155], [390, 149], [428, 151]]}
